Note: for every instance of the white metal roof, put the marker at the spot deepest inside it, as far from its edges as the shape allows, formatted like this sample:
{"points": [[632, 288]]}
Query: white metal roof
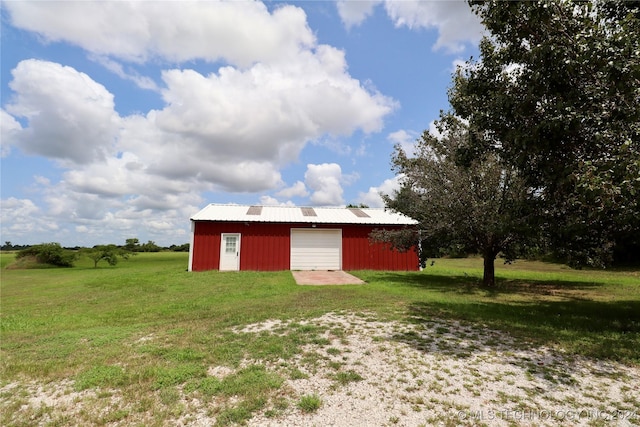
{"points": [[294, 214]]}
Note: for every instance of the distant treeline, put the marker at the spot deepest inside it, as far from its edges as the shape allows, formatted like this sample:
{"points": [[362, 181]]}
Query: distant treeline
{"points": [[132, 245]]}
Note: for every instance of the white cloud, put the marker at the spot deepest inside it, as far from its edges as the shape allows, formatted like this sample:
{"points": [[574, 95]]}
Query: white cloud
{"points": [[41, 180], [241, 33], [372, 197], [405, 139], [269, 201], [355, 12], [87, 219], [264, 117], [12, 208], [325, 182], [22, 217], [70, 116], [159, 226], [454, 20], [115, 67], [296, 190], [351, 178], [9, 129], [272, 201], [233, 129]]}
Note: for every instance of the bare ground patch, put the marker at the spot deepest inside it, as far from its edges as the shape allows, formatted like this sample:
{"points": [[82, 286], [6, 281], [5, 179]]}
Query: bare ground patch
{"points": [[442, 372], [366, 372]]}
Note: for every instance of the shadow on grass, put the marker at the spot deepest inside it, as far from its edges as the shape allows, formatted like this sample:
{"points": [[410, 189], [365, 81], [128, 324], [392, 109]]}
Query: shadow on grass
{"points": [[601, 330], [473, 284], [577, 316]]}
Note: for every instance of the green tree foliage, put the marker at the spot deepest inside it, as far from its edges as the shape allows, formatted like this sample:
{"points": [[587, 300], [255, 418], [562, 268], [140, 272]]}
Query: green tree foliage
{"points": [[481, 207], [180, 248], [49, 253], [132, 245], [8, 246], [108, 253], [150, 246], [556, 94]]}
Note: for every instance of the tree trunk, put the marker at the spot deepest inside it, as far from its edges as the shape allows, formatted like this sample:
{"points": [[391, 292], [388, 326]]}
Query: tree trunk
{"points": [[489, 276]]}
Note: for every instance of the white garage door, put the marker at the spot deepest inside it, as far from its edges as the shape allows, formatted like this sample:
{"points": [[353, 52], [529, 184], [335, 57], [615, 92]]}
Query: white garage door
{"points": [[313, 249]]}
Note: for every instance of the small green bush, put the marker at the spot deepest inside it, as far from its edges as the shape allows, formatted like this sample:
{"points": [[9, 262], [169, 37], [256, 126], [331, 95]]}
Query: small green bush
{"points": [[310, 403]]}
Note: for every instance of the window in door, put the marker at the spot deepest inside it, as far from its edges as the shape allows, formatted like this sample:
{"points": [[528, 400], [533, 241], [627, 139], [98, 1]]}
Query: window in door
{"points": [[231, 244]]}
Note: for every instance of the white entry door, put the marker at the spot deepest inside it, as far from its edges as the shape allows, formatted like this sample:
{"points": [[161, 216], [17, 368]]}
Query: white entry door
{"points": [[230, 252]]}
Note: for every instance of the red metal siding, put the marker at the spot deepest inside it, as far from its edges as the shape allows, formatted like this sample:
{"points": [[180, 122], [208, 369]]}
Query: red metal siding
{"points": [[263, 246], [359, 253], [206, 246], [267, 247]]}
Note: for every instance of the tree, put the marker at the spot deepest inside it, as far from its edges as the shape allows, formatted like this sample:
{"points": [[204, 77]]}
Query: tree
{"points": [[481, 207], [132, 245], [555, 95], [150, 246], [180, 248], [108, 253]]}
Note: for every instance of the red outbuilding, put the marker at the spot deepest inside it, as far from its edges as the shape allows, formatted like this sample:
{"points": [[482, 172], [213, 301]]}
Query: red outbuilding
{"points": [[269, 238]]}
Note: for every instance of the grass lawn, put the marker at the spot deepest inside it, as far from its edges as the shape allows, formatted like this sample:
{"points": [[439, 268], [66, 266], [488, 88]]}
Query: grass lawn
{"points": [[149, 330]]}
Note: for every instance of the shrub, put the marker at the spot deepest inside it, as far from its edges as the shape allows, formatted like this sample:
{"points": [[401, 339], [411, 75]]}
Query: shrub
{"points": [[49, 253]]}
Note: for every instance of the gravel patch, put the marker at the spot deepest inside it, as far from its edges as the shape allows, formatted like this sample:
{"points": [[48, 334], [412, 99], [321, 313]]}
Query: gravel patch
{"points": [[365, 372], [53, 403], [447, 373]]}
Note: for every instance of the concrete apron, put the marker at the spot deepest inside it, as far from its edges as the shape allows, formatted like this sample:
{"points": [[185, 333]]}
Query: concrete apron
{"points": [[325, 278]]}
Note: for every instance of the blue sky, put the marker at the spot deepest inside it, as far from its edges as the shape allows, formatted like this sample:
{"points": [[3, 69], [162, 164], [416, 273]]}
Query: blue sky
{"points": [[123, 119]]}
